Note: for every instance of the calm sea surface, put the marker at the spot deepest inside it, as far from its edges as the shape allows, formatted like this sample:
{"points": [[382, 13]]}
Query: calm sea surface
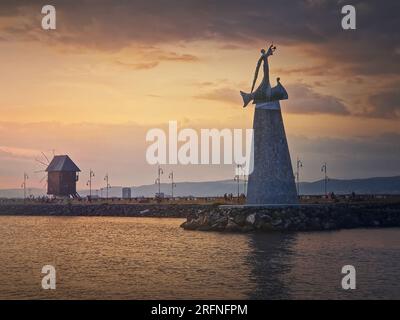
{"points": [[150, 258]]}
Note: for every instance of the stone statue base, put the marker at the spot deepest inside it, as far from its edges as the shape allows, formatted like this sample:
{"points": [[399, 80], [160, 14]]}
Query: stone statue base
{"points": [[272, 179]]}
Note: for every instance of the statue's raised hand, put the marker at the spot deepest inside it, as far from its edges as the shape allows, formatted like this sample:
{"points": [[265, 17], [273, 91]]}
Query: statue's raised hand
{"points": [[271, 50]]}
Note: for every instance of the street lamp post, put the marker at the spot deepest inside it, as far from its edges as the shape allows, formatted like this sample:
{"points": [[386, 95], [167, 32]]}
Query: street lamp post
{"points": [[299, 165], [89, 183], [158, 180], [237, 179], [324, 170], [107, 185], [24, 185], [173, 184]]}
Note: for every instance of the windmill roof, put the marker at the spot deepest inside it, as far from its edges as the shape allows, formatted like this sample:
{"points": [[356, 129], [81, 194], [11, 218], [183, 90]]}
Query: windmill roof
{"points": [[62, 163]]}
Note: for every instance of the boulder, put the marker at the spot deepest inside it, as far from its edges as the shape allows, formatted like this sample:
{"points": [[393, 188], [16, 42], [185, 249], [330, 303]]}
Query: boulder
{"points": [[232, 226], [251, 219]]}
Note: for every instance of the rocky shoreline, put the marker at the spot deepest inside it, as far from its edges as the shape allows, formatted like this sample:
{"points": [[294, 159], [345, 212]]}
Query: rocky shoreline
{"points": [[102, 210], [232, 218], [295, 218]]}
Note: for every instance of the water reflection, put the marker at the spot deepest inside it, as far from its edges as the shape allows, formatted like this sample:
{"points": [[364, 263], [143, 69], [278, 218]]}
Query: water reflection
{"points": [[121, 258], [271, 258], [149, 258], [308, 265]]}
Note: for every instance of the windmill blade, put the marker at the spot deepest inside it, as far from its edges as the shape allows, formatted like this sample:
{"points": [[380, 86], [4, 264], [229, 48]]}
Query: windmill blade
{"points": [[38, 171], [41, 180], [41, 162], [48, 162]]}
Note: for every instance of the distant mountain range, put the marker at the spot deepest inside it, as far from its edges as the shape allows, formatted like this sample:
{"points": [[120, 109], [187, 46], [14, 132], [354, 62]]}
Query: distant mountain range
{"points": [[384, 185]]}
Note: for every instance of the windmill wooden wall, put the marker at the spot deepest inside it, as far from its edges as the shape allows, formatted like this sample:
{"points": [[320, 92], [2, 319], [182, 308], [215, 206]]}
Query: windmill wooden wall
{"points": [[61, 183]]}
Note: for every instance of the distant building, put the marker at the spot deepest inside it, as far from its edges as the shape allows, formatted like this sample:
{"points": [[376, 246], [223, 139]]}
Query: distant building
{"points": [[62, 177], [160, 195], [126, 193]]}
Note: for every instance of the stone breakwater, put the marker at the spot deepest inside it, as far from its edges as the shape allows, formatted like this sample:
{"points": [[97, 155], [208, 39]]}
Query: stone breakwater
{"points": [[113, 210], [295, 218], [232, 218]]}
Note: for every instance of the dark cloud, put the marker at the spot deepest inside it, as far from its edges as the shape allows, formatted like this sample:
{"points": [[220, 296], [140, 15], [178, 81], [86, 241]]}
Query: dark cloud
{"points": [[385, 104], [317, 70], [110, 25], [303, 100], [354, 157], [312, 26], [384, 145]]}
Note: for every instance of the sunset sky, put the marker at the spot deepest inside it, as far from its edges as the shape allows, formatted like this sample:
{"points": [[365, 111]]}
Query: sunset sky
{"points": [[112, 70]]}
